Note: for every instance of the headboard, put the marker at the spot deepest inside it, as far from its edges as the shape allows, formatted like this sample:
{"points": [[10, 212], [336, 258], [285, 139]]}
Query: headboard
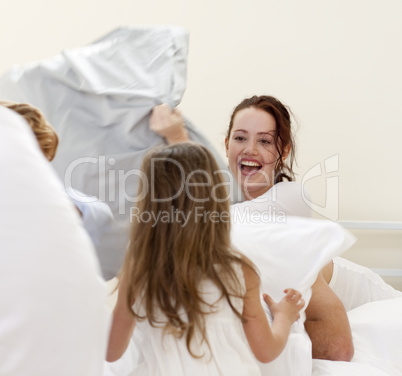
{"points": [[389, 266]]}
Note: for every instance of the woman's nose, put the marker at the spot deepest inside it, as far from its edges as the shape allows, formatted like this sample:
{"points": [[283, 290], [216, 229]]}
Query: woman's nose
{"points": [[250, 148]]}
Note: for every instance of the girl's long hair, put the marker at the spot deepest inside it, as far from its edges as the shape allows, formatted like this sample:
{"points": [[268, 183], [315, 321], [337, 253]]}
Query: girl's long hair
{"points": [[168, 258]]}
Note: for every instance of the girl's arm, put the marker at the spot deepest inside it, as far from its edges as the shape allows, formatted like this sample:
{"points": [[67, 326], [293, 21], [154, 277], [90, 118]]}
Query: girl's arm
{"points": [[123, 323], [268, 342]]}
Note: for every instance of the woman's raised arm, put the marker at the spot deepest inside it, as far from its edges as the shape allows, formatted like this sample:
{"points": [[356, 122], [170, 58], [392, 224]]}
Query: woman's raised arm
{"points": [[169, 124]]}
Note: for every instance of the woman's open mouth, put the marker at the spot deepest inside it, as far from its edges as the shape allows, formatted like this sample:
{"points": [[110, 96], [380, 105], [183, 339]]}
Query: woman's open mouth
{"points": [[249, 167]]}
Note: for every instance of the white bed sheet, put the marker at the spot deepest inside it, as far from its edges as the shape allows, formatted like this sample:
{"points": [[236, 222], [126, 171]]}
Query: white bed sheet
{"points": [[377, 336]]}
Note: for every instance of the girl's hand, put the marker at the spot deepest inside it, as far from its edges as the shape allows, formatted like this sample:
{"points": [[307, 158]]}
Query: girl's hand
{"points": [[168, 124], [288, 307]]}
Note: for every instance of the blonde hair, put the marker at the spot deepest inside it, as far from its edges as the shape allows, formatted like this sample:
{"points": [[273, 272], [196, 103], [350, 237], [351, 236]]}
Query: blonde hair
{"points": [[44, 132], [166, 262]]}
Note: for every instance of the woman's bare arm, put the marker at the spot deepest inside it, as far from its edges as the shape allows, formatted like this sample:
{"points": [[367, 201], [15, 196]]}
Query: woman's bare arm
{"points": [[327, 324], [169, 124]]}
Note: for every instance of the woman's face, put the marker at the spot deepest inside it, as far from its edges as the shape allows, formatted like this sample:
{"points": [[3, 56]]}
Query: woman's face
{"points": [[251, 151]]}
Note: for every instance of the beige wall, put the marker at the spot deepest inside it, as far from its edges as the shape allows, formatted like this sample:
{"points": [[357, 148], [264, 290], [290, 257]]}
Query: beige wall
{"points": [[337, 64]]}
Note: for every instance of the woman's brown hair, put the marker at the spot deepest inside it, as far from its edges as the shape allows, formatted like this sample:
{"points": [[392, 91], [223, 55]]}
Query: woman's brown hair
{"points": [[283, 135], [167, 260]]}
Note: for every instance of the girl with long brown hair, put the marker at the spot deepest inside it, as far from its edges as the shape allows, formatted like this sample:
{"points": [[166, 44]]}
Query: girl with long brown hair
{"points": [[189, 295]]}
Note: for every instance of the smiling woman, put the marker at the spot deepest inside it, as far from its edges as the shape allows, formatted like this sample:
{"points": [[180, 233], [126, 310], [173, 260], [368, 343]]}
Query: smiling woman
{"points": [[258, 142]]}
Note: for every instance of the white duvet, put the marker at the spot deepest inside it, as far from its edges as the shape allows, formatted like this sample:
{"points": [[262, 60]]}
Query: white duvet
{"points": [[377, 336]]}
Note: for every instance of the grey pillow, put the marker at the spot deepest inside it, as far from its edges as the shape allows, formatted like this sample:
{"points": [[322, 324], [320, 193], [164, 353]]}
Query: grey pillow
{"points": [[99, 99]]}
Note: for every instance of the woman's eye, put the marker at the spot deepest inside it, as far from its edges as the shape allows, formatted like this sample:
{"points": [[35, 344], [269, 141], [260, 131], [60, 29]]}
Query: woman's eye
{"points": [[239, 138], [265, 142]]}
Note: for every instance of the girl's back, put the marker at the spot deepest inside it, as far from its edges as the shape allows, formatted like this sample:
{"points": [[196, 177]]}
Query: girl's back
{"points": [[227, 354]]}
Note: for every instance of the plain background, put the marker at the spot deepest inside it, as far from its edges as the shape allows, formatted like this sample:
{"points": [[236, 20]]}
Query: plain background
{"points": [[336, 64]]}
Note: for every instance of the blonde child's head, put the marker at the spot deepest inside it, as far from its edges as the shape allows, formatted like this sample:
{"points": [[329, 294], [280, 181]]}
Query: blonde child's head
{"points": [[44, 132], [180, 233]]}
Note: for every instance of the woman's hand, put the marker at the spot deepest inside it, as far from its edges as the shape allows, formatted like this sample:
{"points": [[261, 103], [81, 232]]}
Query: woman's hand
{"points": [[168, 124], [288, 307]]}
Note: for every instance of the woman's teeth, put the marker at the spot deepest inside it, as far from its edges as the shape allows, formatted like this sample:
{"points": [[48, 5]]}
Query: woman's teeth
{"points": [[251, 164]]}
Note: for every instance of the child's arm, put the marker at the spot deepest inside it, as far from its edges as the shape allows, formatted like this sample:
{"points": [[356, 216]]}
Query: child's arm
{"points": [[123, 323], [267, 343]]}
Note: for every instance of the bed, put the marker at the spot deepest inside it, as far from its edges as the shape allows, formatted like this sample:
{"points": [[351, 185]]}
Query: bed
{"points": [[101, 95], [375, 321]]}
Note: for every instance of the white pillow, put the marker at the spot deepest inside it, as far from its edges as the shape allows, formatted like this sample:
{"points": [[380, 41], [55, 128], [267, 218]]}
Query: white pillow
{"points": [[284, 198], [53, 316], [289, 253]]}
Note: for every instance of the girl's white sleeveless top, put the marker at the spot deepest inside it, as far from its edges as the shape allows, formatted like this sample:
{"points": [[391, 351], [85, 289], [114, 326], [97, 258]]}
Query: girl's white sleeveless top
{"points": [[229, 353]]}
